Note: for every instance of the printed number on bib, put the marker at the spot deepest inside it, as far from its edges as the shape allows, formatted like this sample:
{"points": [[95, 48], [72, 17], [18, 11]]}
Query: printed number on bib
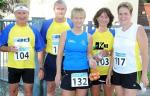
{"points": [[22, 44], [55, 43], [22, 55], [104, 62], [120, 59], [79, 79]]}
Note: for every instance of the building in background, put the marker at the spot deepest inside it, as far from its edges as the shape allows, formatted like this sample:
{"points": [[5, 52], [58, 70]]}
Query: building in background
{"points": [[144, 14]]}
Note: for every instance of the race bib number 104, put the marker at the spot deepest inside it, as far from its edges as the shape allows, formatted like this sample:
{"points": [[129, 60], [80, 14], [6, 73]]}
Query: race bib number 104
{"points": [[22, 44]]}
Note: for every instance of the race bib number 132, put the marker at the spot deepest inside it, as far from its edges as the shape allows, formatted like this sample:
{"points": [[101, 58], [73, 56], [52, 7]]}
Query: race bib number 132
{"points": [[79, 79]]}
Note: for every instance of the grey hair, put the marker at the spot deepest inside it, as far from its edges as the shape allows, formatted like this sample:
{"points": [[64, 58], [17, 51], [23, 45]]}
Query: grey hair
{"points": [[60, 2]]}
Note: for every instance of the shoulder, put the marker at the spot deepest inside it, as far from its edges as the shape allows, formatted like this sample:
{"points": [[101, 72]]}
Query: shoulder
{"points": [[48, 21], [8, 27], [140, 29], [141, 34], [89, 36], [34, 29], [92, 31]]}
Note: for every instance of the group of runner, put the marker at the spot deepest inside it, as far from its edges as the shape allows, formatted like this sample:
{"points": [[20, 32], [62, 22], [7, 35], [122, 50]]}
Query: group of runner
{"points": [[75, 60]]}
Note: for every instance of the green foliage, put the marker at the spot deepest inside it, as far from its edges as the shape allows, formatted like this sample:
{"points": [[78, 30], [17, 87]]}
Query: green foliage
{"points": [[2, 3], [149, 78], [24, 1], [147, 1]]}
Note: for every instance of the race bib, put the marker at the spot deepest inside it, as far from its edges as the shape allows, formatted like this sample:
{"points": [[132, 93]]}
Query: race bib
{"points": [[22, 44], [55, 43], [104, 62], [120, 59], [79, 79]]}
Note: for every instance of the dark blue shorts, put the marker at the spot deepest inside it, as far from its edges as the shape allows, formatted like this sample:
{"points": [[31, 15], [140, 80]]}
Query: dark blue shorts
{"points": [[50, 67]]}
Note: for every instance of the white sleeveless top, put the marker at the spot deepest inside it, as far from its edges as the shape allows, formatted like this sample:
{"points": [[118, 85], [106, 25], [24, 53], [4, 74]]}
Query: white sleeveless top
{"points": [[127, 57]]}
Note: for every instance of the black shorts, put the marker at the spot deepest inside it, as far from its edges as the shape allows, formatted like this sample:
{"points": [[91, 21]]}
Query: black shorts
{"points": [[14, 75], [128, 81], [66, 80], [50, 67], [101, 80]]}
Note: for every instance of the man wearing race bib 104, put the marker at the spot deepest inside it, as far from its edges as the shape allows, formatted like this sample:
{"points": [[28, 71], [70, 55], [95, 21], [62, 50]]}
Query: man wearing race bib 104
{"points": [[21, 41]]}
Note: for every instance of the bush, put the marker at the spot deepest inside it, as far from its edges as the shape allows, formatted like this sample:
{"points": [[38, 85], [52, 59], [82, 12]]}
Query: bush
{"points": [[149, 78]]}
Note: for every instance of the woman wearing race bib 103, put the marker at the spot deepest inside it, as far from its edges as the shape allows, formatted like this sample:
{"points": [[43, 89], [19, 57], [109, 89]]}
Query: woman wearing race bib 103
{"points": [[102, 47]]}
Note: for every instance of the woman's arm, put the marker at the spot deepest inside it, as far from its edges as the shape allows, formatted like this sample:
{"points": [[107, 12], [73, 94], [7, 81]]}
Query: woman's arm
{"points": [[92, 62], [143, 44], [59, 57], [108, 79]]}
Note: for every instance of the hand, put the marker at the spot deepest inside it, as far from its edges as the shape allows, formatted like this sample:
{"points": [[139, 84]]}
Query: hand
{"points": [[92, 63], [97, 58], [144, 80], [12, 49], [57, 80], [104, 53], [41, 74], [108, 80], [101, 54]]}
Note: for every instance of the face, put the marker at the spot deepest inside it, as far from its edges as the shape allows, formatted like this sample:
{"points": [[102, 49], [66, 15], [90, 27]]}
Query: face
{"points": [[124, 16], [21, 16], [103, 19], [60, 10], [78, 20]]}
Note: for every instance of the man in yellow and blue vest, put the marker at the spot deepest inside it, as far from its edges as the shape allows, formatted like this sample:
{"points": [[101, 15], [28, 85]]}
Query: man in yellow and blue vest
{"points": [[21, 41], [51, 31]]}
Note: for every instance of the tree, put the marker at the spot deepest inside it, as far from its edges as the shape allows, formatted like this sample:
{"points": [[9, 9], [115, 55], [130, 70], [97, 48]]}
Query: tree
{"points": [[7, 6], [147, 1]]}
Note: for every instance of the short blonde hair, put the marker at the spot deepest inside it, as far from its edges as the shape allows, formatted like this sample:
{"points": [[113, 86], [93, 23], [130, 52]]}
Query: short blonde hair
{"points": [[126, 5], [78, 10]]}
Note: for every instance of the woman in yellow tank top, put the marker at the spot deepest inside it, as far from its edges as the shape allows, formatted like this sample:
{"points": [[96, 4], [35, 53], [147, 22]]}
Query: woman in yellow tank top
{"points": [[102, 47]]}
